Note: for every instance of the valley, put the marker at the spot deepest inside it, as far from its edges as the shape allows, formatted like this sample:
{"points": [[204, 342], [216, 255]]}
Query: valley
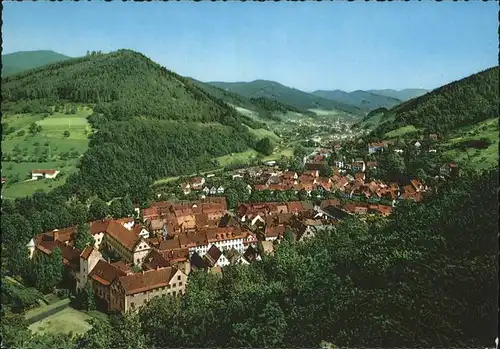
{"points": [[144, 208]]}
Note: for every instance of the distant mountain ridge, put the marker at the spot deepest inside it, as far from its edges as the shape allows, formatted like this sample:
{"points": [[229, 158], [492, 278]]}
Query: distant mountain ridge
{"points": [[286, 95], [403, 95], [362, 99], [16, 62]]}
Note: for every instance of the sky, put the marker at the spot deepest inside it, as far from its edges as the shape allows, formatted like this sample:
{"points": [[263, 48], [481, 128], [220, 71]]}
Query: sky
{"points": [[305, 45]]}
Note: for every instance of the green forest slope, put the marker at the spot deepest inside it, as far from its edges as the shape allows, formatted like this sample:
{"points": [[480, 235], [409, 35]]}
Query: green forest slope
{"points": [[16, 62], [150, 121], [460, 103]]}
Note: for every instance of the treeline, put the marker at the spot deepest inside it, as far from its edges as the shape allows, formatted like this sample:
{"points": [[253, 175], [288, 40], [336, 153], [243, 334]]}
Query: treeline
{"points": [[424, 278], [449, 107]]}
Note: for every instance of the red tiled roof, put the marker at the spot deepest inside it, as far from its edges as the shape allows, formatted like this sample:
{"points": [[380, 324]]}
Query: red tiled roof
{"points": [[294, 206], [86, 252], [155, 260], [121, 234], [276, 231], [44, 171], [175, 256], [70, 255], [147, 280], [170, 244], [105, 273]]}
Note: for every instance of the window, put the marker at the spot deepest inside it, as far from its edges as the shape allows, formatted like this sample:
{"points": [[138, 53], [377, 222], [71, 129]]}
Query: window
{"points": [[174, 285], [180, 284], [178, 277], [132, 305]]}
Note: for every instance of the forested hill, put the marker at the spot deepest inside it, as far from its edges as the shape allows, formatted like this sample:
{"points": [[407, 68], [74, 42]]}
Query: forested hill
{"points": [[122, 84], [362, 99], [403, 95], [286, 95], [16, 62], [463, 102], [151, 122], [263, 106]]}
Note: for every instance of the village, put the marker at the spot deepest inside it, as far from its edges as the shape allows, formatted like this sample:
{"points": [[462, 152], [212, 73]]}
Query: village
{"points": [[152, 254]]}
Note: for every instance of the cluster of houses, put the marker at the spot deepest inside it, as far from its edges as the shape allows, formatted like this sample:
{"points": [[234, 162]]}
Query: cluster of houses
{"points": [[135, 259], [131, 262], [345, 184]]}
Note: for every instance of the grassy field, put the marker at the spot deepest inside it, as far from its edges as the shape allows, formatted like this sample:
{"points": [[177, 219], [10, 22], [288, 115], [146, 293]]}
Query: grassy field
{"points": [[261, 133], [401, 131], [64, 321], [475, 158], [48, 148]]}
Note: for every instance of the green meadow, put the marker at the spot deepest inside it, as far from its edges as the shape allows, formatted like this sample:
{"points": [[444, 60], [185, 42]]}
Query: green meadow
{"points": [[471, 157], [41, 141]]}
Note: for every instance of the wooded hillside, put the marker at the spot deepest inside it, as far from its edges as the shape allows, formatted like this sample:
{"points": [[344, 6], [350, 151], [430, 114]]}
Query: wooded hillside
{"points": [[150, 122], [463, 102]]}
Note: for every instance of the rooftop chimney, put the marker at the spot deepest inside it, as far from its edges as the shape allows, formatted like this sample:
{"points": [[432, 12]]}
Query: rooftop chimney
{"points": [[55, 234]]}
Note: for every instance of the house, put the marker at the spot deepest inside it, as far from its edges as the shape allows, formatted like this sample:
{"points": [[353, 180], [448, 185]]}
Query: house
{"points": [[237, 176], [206, 190], [3, 180], [101, 277], [213, 191], [197, 183], [270, 163], [49, 174], [250, 240], [127, 244], [224, 238], [88, 260], [371, 164], [220, 190], [215, 257], [274, 233], [375, 147], [417, 144], [130, 292], [198, 263], [251, 255]]}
